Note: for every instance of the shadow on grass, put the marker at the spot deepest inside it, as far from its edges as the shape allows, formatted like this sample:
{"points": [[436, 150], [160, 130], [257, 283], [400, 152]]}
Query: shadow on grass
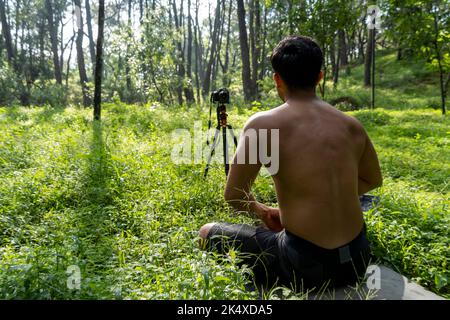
{"points": [[93, 227]]}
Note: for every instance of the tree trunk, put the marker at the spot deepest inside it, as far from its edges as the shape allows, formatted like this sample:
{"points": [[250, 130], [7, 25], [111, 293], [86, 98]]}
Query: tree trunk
{"points": [[68, 63], [439, 59], [197, 69], [325, 72], [16, 33], [80, 54], [332, 55], [61, 44], [343, 52], [90, 35], [255, 28], [212, 53], [53, 29], [42, 59], [141, 11], [197, 52], [189, 92], [334, 62], [361, 55], [263, 54], [245, 56], [180, 62], [226, 78], [23, 90], [127, 62], [368, 59], [99, 61], [217, 59], [6, 31]]}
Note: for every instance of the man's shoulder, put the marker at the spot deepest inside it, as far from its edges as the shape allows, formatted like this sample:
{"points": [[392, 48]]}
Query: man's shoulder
{"points": [[351, 122], [264, 119], [354, 125]]}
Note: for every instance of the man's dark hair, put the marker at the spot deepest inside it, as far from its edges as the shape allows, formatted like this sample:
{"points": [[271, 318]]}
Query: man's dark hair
{"points": [[298, 60]]}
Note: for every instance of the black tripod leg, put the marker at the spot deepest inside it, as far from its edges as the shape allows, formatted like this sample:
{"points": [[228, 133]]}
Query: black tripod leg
{"points": [[225, 150], [232, 134], [213, 147]]}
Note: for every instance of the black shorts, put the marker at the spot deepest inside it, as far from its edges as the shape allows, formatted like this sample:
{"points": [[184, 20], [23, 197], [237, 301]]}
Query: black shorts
{"points": [[282, 258]]}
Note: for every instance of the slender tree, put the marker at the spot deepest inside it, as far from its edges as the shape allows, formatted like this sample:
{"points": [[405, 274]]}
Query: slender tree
{"points": [[245, 55], [90, 34], [343, 53], [188, 90], [128, 56], [255, 31], [80, 54], [213, 51], [6, 31], [53, 30], [226, 78], [99, 61], [179, 54], [368, 58]]}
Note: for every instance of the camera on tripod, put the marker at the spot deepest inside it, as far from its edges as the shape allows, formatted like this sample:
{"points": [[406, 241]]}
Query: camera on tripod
{"points": [[220, 96]]}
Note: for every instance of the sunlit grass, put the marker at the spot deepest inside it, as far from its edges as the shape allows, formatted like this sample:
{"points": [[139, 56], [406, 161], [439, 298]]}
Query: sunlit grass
{"points": [[108, 199]]}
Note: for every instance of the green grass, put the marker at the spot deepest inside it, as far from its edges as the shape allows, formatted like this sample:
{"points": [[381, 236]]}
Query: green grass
{"points": [[108, 199], [400, 84]]}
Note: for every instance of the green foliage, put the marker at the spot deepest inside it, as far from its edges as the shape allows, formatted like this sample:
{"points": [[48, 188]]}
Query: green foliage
{"points": [[8, 84], [106, 197], [399, 84], [48, 93]]}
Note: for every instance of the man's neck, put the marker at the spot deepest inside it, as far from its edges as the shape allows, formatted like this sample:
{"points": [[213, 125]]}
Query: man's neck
{"points": [[300, 95]]}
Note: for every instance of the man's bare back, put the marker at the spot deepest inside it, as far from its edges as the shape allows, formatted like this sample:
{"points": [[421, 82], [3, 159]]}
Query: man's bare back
{"points": [[320, 149], [323, 161]]}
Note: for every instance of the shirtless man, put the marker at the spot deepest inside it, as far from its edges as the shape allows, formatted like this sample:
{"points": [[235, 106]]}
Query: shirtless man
{"points": [[326, 161]]}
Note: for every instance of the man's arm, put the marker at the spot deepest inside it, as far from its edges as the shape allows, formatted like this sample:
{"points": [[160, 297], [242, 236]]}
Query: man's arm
{"points": [[369, 172], [242, 175]]}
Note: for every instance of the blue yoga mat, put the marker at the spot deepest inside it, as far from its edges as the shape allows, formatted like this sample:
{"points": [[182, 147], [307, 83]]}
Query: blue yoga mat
{"points": [[368, 201]]}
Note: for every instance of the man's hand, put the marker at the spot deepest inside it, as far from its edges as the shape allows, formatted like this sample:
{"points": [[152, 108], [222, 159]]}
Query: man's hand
{"points": [[270, 217]]}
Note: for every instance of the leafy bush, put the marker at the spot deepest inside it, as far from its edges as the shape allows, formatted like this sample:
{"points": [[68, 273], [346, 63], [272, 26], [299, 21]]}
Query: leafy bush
{"points": [[372, 117], [48, 93], [8, 86]]}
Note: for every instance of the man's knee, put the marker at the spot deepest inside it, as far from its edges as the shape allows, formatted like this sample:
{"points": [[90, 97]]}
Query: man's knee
{"points": [[204, 230]]}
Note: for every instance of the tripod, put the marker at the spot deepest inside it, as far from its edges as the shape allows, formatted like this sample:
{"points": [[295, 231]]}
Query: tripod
{"points": [[221, 124]]}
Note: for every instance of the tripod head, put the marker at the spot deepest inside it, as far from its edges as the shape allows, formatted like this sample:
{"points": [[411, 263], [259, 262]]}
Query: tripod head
{"points": [[220, 97]]}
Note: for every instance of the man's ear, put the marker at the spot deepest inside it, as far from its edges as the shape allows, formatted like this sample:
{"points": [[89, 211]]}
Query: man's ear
{"points": [[277, 79], [319, 77]]}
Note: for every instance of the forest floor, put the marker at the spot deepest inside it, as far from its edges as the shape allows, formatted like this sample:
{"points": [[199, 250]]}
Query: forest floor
{"points": [[107, 199]]}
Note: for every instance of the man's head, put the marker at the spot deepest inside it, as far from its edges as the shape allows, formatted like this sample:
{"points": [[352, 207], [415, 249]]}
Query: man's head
{"points": [[297, 62]]}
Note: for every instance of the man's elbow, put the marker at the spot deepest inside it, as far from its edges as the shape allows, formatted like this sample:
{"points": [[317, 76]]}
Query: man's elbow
{"points": [[379, 181], [376, 183], [366, 185], [228, 196], [236, 200]]}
